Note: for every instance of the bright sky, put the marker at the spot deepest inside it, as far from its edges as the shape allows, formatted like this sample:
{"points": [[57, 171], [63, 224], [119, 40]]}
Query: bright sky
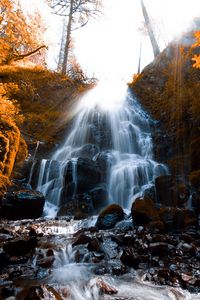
{"points": [[110, 45]]}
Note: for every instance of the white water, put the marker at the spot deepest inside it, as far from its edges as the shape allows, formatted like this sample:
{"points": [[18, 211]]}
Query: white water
{"points": [[112, 122], [77, 281]]}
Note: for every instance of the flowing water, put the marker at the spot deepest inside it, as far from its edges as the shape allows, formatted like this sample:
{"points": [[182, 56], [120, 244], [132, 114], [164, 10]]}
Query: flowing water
{"points": [[111, 125], [68, 280]]}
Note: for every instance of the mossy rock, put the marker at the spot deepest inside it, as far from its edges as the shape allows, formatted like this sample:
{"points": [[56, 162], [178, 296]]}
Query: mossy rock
{"points": [[108, 218], [143, 211], [4, 183]]}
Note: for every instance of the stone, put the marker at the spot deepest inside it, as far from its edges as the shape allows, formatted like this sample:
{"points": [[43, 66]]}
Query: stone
{"points": [[143, 211], [46, 262], [19, 247], [94, 245], [160, 249], [22, 204], [130, 258], [81, 240], [4, 260], [105, 287], [108, 218]]}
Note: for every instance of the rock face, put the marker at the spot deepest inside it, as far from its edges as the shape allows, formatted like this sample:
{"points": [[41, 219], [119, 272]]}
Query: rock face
{"points": [[110, 216], [172, 191], [162, 95], [22, 204]]}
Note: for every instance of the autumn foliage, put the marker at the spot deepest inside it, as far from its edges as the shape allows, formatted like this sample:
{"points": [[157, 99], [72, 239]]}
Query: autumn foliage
{"points": [[196, 57], [20, 33]]}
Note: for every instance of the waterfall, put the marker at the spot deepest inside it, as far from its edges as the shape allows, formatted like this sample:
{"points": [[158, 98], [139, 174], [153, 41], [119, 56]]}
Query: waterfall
{"points": [[109, 148]]}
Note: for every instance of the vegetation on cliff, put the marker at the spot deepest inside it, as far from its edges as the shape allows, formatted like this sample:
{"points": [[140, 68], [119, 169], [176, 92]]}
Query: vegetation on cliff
{"points": [[169, 90]]}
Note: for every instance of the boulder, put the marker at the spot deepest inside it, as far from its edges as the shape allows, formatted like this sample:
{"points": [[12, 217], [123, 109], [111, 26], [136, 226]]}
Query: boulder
{"points": [[143, 211], [110, 216], [19, 247], [87, 174], [23, 204], [171, 191]]}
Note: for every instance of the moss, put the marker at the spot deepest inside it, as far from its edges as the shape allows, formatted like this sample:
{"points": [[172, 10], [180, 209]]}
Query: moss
{"points": [[12, 134], [4, 183], [113, 208]]}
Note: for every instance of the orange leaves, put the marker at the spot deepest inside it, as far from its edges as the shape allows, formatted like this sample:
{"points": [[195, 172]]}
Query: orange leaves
{"points": [[20, 32], [196, 57]]}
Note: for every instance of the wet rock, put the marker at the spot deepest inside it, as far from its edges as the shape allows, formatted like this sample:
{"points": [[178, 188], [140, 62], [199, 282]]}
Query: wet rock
{"points": [[81, 240], [124, 225], [46, 262], [20, 247], [186, 248], [94, 245], [118, 239], [160, 249], [130, 258], [110, 249], [143, 211], [41, 292], [108, 218], [116, 267], [86, 151], [88, 174], [4, 260], [105, 287], [23, 204]]}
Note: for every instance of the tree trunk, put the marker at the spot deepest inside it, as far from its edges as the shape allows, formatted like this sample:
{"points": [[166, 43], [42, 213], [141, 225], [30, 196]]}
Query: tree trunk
{"points": [[154, 43], [139, 61], [69, 29]]}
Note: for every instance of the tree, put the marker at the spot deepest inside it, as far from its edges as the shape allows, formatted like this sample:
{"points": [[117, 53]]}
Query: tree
{"points": [[150, 30], [78, 13], [20, 34]]}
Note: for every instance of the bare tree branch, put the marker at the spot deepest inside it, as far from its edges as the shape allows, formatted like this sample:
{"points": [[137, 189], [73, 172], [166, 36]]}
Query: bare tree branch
{"points": [[16, 56]]}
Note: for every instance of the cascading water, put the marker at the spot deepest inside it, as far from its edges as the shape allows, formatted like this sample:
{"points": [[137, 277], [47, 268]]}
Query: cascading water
{"points": [[112, 132]]}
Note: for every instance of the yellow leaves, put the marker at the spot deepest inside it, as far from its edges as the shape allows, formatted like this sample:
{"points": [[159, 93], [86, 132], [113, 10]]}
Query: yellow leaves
{"points": [[196, 58], [20, 32]]}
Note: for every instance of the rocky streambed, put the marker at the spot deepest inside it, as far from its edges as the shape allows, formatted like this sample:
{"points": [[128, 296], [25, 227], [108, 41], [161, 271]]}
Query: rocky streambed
{"points": [[68, 259]]}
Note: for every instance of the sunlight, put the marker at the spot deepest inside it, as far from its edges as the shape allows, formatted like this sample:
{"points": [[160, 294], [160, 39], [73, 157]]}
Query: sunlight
{"points": [[110, 46], [108, 95]]}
